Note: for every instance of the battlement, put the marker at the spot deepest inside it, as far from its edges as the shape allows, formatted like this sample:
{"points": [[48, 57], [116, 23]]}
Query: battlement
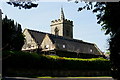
{"points": [[62, 21]]}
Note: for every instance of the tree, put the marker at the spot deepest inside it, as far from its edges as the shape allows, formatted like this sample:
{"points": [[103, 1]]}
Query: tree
{"points": [[23, 4], [108, 16], [112, 27], [12, 37]]}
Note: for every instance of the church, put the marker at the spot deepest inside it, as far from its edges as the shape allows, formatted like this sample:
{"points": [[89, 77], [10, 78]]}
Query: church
{"points": [[60, 41]]}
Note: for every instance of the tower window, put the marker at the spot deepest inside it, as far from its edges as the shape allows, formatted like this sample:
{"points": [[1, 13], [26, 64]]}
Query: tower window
{"points": [[56, 31]]}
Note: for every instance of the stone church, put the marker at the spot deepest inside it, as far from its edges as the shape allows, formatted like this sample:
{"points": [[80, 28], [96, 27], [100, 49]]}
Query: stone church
{"points": [[60, 39]]}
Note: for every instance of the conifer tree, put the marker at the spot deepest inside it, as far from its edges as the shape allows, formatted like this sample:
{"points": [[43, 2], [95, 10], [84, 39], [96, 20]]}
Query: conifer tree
{"points": [[12, 37]]}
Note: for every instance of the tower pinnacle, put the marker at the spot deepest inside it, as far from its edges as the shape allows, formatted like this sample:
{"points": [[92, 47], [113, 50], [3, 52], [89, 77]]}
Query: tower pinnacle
{"points": [[62, 17]]}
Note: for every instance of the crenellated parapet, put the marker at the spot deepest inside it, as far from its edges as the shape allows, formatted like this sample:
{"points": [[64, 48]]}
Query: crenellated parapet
{"points": [[68, 21], [59, 21]]}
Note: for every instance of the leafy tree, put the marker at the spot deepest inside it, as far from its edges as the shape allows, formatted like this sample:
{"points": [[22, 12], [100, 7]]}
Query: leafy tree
{"points": [[107, 52], [108, 16], [23, 4], [12, 37]]}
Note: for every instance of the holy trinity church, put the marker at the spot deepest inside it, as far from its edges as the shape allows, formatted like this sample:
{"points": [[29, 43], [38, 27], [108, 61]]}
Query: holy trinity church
{"points": [[60, 40]]}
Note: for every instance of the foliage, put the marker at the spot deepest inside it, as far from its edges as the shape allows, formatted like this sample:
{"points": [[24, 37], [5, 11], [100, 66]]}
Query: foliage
{"points": [[107, 52], [79, 63], [23, 4], [75, 59], [108, 17], [12, 37], [25, 60], [111, 24]]}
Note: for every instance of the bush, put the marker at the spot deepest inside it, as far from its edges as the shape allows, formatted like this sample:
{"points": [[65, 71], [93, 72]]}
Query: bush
{"points": [[14, 60]]}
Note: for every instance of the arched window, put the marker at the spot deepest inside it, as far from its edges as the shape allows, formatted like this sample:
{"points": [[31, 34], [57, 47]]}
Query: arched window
{"points": [[56, 31]]}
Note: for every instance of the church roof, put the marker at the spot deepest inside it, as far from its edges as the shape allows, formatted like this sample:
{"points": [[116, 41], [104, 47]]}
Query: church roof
{"points": [[74, 45], [37, 35], [60, 40], [56, 38]]}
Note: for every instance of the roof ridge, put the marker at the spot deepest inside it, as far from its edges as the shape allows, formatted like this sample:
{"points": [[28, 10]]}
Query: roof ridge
{"points": [[76, 40], [36, 31], [61, 37]]}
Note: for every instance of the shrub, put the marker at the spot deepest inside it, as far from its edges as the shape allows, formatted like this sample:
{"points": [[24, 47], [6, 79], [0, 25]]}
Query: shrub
{"points": [[15, 60]]}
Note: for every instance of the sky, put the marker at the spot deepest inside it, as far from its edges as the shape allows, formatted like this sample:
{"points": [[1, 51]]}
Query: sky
{"points": [[85, 22]]}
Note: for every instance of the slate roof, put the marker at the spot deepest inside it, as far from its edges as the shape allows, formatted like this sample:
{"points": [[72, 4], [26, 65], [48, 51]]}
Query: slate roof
{"points": [[76, 45], [37, 35], [73, 45], [56, 39]]}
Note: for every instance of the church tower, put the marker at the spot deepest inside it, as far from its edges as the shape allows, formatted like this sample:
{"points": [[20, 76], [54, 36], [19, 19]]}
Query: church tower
{"points": [[62, 26]]}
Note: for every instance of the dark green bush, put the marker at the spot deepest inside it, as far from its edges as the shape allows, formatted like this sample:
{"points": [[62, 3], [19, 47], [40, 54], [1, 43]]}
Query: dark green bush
{"points": [[15, 60]]}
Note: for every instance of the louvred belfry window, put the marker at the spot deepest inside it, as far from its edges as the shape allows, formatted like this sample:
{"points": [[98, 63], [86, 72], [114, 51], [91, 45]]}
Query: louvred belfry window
{"points": [[56, 31]]}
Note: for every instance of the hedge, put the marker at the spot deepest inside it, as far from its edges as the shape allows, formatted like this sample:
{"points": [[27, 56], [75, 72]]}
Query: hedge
{"points": [[78, 63], [32, 61]]}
